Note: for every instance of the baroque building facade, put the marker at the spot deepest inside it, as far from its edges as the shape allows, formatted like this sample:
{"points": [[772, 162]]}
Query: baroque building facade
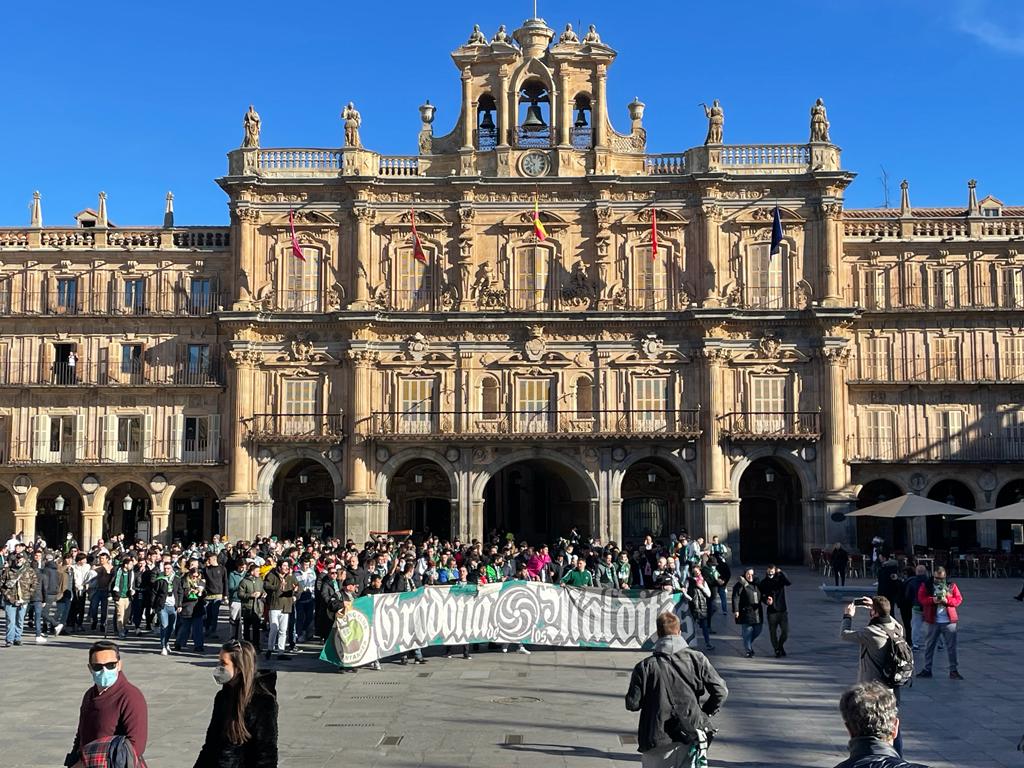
{"points": [[385, 343]]}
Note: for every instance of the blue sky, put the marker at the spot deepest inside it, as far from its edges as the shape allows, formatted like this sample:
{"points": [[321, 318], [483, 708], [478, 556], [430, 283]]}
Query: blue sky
{"points": [[137, 98]]}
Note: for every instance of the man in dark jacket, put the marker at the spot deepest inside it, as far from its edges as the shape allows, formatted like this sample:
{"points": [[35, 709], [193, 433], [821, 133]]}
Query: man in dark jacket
{"points": [[47, 594], [281, 588], [890, 580], [670, 682], [871, 718], [746, 609], [773, 594], [216, 576], [915, 632]]}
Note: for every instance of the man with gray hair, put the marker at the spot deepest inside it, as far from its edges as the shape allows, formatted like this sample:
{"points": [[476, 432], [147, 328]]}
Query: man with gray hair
{"points": [[872, 720]]}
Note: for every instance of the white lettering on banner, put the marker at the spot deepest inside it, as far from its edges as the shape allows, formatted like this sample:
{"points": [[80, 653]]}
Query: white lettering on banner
{"points": [[378, 626]]}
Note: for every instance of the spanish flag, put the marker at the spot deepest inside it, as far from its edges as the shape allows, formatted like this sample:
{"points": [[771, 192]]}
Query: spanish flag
{"points": [[538, 225], [417, 246]]}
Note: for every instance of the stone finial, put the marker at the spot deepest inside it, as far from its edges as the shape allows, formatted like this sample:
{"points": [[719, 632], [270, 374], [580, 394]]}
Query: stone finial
{"points": [[972, 198], [904, 198], [169, 211], [101, 216], [37, 210]]}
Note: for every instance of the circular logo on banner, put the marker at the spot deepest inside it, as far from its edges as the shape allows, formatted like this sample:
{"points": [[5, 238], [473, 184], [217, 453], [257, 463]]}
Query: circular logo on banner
{"points": [[353, 637]]}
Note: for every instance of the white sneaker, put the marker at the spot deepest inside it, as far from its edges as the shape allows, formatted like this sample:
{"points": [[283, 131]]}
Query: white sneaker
{"points": [[164, 651], [57, 629], [504, 649], [40, 639], [523, 650]]}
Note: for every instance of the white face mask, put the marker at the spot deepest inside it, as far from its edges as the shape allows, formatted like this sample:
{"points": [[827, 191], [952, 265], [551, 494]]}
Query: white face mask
{"points": [[221, 675]]}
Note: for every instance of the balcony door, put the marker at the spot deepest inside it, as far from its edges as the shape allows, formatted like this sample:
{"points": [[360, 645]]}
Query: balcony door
{"points": [[766, 277], [416, 409], [878, 432], [531, 278], [949, 427], [650, 279], [301, 281], [650, 404], [533, 405], [299, 399], [768, 404]]}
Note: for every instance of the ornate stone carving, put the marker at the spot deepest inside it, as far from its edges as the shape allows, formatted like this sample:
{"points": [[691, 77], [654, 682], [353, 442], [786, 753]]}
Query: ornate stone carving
{"points": [[416, 347], [716, 120], [335, 297], [769, 345], [476, 37], [501, 36], [819, 123], [804, 295], [652, 346], [592, 38], [248, 214], [246, 358], [251, 126], [486, 291], [364, 358], [353, 120], [535, 345], [301, 350], [716, 355], [836, 355], [579, 292], [568, 36]]}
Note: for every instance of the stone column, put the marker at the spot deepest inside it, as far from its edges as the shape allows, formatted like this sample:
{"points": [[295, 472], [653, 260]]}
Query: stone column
{"points": [[469, 123], [247, 219], [92, 528], [715, 479], [362, 371], [25, 521], [831, 221], [503, 104], [599, 113], [565, 110], [833, 416], [241, 369], [711, 273], [161, 530], [361, 262]]}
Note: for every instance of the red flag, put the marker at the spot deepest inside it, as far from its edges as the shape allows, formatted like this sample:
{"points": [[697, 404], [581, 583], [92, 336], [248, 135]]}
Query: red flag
{"points": [[654, 233], [296, 250], [417, 247]]}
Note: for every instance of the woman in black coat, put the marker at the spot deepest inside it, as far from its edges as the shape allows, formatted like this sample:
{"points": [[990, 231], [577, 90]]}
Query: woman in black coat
{"points": [[243, 728]]}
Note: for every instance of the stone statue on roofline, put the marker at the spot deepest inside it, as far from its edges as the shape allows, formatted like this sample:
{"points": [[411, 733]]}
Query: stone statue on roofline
{"points": [[819, 123], [251, 124], [716, 119], [352, 122], [592, 37], [568, 36], [501, 36], [476, 37]]}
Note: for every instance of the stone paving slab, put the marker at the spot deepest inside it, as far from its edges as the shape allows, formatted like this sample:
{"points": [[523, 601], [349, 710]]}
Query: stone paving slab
{"points": [[559, 708]]}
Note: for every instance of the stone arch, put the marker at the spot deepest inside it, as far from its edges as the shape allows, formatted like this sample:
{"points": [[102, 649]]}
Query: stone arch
{"points": [[109, 483], [267, 475], [634, 455], [580, 472], [808, 480], [8, 503], [388, 469], [176, 482]]}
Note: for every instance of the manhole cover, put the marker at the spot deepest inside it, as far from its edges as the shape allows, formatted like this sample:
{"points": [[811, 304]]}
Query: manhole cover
{"points": [[517, 700]]}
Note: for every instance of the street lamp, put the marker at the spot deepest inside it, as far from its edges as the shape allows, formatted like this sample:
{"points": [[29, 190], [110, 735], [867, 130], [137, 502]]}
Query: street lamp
{"points": [[651, 477], [303, 477], [126, 505], [196, 503], [418, 478], [769, 475], [58, 504]]}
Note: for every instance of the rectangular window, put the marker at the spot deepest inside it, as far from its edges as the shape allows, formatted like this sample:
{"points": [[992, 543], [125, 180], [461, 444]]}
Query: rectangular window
{"points": [[876, 295], [949, 425], [415, 286], [129, 437], [66, 300], [195, 368], [768, 404], [650, 404], [135, 296], [531, 283], [197, 436], [62, 439], [131, 364], [1012, 418], [765, 289], [876, 363], [945, 362], [1013, 287], [299, 406], [878, 442], [943, 288], [1013, 358], [650, 277], [533, 405], [301, 283], [417, 414], [200, 296]]}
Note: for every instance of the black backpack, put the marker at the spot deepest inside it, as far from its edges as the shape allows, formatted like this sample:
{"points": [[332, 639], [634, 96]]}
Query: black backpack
{"points": [[898, 668]]}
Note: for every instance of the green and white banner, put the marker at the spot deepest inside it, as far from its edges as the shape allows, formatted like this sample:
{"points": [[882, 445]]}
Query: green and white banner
{"points": [[377, 626]]}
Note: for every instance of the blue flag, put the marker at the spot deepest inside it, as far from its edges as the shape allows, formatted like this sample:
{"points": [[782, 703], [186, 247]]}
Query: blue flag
{"points": [[776, 232]]}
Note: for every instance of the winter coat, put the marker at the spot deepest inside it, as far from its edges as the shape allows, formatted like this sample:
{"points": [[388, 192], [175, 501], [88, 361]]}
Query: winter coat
{"points": [[775, 588], [18, 585], [247, 587], [746, 601], [234, 579], [890, 582], [838, 559], [910, 587], [926, 597], [687, 675], [872, 640], [48, 583], [867, 752], [281, 591], [701, 605], [330, 593], [162, 587], [216, 580], [260, 751], [189, 595]]}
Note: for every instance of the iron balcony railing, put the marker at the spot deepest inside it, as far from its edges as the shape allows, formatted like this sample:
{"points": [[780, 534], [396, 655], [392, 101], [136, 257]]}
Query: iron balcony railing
{"points": [[295, 427], [771, 425], [949, 294], [955, 449], [938, 369], [41, 373], [107, 304], [536, 423], [94, 451]]}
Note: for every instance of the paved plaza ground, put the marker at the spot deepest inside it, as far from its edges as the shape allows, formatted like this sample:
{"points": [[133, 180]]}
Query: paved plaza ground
{"points": [[555, 707]]}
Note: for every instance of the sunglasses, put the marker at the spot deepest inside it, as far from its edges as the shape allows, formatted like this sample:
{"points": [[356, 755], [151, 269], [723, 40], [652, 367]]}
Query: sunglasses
{"points": [[96, 666]]}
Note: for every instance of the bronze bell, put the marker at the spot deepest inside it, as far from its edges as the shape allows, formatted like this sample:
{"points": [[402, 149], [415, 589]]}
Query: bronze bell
{"points": [[581, 119], [534, 119], [487, 124]]}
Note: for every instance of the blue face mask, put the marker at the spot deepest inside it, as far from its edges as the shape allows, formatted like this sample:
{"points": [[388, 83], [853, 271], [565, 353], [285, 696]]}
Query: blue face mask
{"points": [[105, 677]]}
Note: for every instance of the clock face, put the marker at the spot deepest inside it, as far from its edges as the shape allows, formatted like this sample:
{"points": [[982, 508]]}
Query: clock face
{"points": [[535, 164]]}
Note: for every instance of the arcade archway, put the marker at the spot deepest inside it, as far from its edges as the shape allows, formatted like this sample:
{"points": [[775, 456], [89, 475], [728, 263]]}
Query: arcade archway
{"points": [[771, 514], [303, 494], [538, 500], [1009, 533], [195, 512], [8, 522], [127, 511], [894, 532], [59, 512], [653, 501], [947, 531], [420, 500]]}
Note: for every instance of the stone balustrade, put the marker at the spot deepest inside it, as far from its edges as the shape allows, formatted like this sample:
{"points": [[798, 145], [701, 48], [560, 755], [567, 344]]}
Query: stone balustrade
{"points": [[398, 165], [298, 159], [764, 156], [148, 238], [664, 164], [871, 228]]}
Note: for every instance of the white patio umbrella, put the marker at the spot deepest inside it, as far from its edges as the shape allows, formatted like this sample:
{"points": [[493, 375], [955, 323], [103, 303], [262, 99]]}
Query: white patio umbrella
{"points": [[1009, 512], [909, 505]]}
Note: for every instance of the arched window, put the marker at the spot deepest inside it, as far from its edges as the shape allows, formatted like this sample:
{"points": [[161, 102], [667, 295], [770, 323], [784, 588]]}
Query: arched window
{"points": [[534, 129], [487, 130], [584, 398], [489, 405], [580, 133]]}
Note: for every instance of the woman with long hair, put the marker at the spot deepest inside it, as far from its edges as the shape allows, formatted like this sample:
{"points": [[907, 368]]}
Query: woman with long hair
{"points": [[243, 728]]}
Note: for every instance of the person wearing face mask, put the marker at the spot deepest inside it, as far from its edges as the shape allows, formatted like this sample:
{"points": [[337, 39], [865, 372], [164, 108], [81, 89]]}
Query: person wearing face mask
{"points": [[189, 596], [243, 727], [111, 707]]}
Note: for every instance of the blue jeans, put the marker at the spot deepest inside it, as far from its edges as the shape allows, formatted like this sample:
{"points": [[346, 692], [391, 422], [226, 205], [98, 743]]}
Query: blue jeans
{"points": [[15, 621], [100, 599], [212, 614], [948, 634], [168, 616], [750, 633], [721, 597], [705, 627], [304, 616], [192, 625], [897, 743], [37, 616]]}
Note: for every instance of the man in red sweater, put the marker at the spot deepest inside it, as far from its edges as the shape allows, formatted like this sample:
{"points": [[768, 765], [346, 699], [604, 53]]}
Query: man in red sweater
{"points": [[112, 706], [939, 600]]}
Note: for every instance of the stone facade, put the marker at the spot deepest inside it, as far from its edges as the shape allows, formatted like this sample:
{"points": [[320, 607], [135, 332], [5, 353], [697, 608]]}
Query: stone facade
{"points": [[657, 361]]}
